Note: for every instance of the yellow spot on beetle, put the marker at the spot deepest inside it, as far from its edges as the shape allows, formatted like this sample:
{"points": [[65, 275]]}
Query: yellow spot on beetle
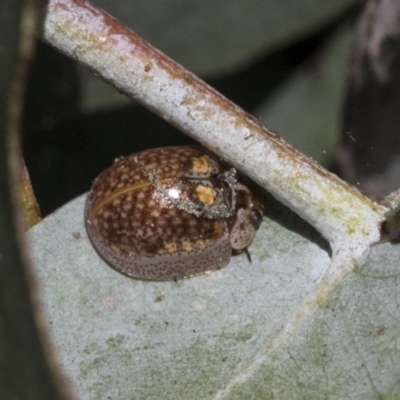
{"points": [[206, 194], [201, 165]]}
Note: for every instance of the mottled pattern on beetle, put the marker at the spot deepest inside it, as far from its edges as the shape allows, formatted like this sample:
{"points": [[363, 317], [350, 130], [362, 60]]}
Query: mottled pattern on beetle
{"points": [[153, 226], [177, 265], [173, 162], [140, 232]]}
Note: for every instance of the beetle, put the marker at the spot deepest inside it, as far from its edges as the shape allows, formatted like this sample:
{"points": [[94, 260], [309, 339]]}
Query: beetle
{"points": [[171, 213]]}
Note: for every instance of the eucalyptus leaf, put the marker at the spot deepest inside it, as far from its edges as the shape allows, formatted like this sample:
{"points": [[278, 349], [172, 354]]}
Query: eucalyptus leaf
{"points": [[347, 348], [220, 336]]}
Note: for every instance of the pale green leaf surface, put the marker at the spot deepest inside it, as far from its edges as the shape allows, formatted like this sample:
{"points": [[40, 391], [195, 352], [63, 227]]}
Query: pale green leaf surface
{"points": [[348, 348], [213, 37], [121, 338], [307, 110]]}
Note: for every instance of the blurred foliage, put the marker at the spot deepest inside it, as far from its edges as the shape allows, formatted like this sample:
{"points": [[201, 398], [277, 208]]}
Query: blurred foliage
{"points": [[306, 110], [369, 156], [25, 371]]}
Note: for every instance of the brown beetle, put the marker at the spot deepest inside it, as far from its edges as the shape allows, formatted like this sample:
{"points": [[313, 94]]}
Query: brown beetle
{"points": [[171, 213]]}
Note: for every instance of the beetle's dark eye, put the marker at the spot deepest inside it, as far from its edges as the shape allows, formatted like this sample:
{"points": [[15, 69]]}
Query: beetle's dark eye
{"points": [[257, 218]]}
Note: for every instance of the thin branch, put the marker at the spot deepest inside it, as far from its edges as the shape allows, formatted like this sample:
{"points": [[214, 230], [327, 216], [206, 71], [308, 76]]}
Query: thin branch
{"points": [[95, 39]]}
